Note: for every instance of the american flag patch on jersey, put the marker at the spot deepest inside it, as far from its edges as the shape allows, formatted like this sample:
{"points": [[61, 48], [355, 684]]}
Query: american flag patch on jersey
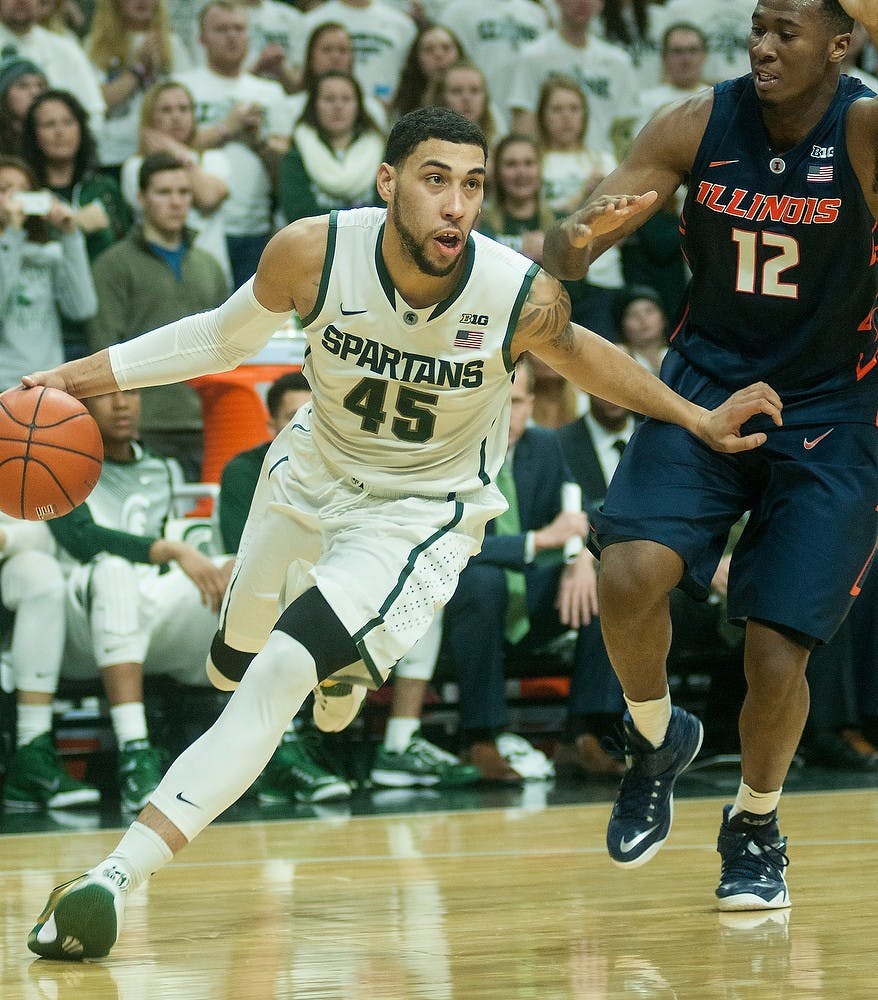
{"points": [[820, 173], [469, 338]]}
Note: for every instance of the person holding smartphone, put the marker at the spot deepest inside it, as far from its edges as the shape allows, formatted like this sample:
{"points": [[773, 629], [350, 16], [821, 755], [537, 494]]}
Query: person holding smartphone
{"points": [[41, 278]]}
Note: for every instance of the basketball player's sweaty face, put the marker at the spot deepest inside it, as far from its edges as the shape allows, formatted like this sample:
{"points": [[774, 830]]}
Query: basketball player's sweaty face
{"points": [[791, 45], [437, 196]]}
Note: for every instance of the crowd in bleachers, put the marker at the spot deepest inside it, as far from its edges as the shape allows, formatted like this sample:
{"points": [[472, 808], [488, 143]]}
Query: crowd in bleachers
{"points": [[149, 149]]}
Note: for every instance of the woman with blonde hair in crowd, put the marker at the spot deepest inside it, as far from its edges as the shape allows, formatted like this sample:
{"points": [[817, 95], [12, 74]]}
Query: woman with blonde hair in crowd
{"points": [[571, 171], [131, 46], [434, 49], [167, 125], [336, 151], [463, 88]]}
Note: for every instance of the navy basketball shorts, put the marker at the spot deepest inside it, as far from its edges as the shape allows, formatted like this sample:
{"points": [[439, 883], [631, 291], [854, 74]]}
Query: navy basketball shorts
{"points": [[811, 491]]}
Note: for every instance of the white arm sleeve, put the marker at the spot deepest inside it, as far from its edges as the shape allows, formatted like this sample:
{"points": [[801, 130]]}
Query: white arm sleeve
{"points": [[208, 342]]}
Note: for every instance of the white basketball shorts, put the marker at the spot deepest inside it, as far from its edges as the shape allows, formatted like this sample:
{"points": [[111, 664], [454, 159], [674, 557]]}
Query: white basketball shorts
{"points": [[384, 564]]}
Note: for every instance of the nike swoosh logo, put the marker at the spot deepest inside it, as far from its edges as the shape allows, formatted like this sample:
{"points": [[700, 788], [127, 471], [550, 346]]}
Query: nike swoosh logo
{"points": [[721, 163], [352, 312], [50, 786], [628, 845], [188, 802], [808, 445]]}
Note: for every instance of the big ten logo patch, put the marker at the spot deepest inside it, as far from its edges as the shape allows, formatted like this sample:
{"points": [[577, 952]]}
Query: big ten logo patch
{"points": [[474, 319]]}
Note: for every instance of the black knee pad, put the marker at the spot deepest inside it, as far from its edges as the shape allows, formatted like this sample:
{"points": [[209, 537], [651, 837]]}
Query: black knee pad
{"points": [[312, 622], [231, 663]]}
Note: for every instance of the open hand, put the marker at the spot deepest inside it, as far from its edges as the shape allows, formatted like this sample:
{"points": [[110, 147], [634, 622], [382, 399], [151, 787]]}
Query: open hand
{"points": [[721, 428], [605, 215]]}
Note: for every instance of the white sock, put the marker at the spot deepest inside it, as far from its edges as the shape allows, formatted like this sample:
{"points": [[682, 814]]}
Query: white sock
{"points": [[140, 854], [31, 721], [221, 765], [651, 718], [399, 733], [129, 722], [760, 803]]}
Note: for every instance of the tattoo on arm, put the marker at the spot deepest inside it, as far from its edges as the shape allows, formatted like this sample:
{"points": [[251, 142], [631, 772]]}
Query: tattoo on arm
{"points": [[545, 318]]}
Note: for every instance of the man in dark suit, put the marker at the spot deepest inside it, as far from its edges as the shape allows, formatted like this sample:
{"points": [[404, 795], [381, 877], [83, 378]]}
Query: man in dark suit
{"points": [[521, 564], [592, 446]]}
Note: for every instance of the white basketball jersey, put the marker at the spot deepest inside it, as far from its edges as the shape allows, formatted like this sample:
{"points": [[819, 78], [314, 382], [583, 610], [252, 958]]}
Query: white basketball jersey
{"points": [[412, 400]]}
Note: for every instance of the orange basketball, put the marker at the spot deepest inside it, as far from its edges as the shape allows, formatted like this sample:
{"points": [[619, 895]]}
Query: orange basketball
{"points": [[50, 453]]}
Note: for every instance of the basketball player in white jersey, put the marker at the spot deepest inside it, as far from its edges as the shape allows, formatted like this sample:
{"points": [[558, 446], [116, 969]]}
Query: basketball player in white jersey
{"points": [[377, 493]]}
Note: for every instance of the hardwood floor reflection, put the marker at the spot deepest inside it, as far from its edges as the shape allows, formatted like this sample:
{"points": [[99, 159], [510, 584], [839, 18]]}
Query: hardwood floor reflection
{"points": [[503, 903]]}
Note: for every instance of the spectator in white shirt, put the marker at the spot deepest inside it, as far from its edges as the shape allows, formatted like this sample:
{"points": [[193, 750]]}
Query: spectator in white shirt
{"points": [[238, 112], [275, 30], [605, 72], [493, 35], [726, 25], [629, 24], [381, 34], [684, 53]]}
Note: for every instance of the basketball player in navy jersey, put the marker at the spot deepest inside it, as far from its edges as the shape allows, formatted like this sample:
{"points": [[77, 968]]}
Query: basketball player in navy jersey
{"points": [[375, 495], [778, 230]]}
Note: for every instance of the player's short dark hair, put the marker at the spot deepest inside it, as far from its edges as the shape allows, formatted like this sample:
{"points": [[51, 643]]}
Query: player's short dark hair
{"points": [[156, 163], [837, 17], [423, 124], [288, 382]]}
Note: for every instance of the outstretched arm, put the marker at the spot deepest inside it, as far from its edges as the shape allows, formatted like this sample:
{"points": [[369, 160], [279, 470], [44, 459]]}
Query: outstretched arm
{"points": [[213, 341], [658, 163], [599, 367]]}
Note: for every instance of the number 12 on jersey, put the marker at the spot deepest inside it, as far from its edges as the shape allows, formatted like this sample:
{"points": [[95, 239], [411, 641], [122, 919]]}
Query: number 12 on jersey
{"points": [[772, 268], [414, 420]]}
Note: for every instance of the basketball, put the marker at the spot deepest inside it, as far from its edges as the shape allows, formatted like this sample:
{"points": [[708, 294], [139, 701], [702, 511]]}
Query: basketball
{"points": [[50, 453]]}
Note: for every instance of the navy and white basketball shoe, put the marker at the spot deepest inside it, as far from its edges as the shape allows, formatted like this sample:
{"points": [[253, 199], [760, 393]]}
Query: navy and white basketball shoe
{"points": [[644, 809], [754, 856]]}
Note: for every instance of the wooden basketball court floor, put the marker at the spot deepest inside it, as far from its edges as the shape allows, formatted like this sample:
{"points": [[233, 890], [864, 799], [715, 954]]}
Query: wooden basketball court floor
{"points": [[505, 903]]}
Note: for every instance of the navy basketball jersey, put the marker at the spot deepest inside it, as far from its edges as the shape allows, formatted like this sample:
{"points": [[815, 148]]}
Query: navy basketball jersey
{"points": [[782, 251]]}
